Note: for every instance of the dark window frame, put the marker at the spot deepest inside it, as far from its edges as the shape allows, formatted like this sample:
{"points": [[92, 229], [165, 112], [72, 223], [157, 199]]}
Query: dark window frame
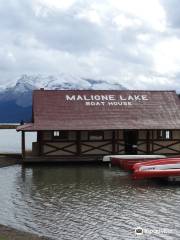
{"points": [[95, 133], [63, 135], [162, 134]]}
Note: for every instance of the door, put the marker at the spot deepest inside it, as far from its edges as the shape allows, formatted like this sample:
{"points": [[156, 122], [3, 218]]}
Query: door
{"points": [[130, 139]]}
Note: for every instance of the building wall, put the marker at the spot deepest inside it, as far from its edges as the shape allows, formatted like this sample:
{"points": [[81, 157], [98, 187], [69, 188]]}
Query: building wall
{"points": [[120, 142], [105, 147], [157, 146], [70, 147]]}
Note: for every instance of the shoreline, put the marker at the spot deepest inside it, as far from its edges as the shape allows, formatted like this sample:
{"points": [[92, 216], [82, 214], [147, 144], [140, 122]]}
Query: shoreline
{"points": [[8, 233], [9, 159]]}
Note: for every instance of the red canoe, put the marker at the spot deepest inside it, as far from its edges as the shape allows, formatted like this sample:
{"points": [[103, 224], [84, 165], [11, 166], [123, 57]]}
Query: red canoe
{"points": [[159, 168], [126, 162]]}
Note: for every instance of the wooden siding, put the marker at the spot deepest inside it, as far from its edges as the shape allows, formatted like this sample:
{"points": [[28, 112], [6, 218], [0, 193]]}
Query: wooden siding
{"points": [[76, 145], [113, 143], [156, 146]]}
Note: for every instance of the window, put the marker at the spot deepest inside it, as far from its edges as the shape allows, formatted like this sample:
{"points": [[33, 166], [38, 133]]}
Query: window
{"points": [[61, 135], [96, 135], [56, 133], [164, 134]]}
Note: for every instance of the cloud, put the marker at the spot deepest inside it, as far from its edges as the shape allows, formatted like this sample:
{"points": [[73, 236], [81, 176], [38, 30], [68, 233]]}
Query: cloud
{"points": [[132, 42], [172, 12]]}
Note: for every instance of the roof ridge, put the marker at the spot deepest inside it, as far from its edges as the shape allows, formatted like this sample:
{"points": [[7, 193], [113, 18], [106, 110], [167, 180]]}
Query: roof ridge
{"points": [[99, 90]]}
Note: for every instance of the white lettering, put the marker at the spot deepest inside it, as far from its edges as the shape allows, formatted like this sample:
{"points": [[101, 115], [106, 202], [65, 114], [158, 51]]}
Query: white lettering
{"points": [[73, 97], [119, 103], [137, 98], [86, 98], [101, 98], [130, 98], [94, 103], [112, 97], [104, 97], [145, 98], [110, 103], [79, 97], [121, 98], [97, 97], [98, 104]]}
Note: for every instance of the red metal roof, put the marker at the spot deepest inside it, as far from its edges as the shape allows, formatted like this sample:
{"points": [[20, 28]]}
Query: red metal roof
{"points": [[104, 109]]}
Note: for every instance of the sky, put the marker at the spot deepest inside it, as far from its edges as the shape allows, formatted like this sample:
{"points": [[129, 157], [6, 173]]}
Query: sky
{"points": [[133, 42]]}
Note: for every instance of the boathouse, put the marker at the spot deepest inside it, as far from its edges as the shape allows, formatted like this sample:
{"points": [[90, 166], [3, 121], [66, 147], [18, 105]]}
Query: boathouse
{"points": [[88, 124]]}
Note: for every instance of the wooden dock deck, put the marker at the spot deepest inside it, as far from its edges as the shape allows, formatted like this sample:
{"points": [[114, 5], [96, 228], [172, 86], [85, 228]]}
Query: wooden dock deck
{"points": [[8, 126], [58, 159]]}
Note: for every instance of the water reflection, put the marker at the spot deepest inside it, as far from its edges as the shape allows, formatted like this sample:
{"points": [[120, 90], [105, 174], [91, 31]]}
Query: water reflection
{"points": [[86, 202]]}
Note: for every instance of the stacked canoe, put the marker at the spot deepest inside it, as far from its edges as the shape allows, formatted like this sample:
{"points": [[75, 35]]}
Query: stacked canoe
{"points": [[147, 166]]}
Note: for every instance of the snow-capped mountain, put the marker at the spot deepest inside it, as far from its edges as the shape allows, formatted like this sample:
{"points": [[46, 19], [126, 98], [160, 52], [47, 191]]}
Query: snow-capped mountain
{"points": [[16, 99], [21, 91]]}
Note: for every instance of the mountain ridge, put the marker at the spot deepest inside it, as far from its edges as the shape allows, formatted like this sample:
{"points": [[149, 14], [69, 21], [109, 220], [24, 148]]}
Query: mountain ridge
{"points": [[16, 100]]}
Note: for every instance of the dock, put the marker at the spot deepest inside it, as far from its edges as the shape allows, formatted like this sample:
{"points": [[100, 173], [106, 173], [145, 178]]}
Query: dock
{"points": [[8, 126], [61, 159]]}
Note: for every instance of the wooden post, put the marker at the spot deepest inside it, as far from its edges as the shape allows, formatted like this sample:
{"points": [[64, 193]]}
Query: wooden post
{"points": [[152, 141], [78, 142], [39, 140], [148, 141], [23, 145], [113, 142]]}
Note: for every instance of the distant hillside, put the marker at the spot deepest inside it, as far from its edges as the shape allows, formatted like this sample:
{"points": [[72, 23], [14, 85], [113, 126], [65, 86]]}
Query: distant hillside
{"points": [[16, 101], [12, 113]]}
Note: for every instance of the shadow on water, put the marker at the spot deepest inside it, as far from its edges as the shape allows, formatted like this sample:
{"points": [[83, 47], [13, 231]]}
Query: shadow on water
{"points": [[86, 201]]}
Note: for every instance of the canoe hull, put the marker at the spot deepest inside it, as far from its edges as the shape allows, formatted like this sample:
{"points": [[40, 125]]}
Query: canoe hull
{"points": [[156, 174], [128, 162], [157, 168]]}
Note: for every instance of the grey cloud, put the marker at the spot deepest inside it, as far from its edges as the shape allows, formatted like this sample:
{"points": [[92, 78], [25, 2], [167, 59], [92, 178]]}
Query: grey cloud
{"points": [[68, 33], [172, 8], [60, 41], [57, 30], [15, 15]]}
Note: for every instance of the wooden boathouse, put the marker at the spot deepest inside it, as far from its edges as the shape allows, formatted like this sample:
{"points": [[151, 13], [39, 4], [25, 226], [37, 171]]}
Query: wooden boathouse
{"points": [[88, 124]]}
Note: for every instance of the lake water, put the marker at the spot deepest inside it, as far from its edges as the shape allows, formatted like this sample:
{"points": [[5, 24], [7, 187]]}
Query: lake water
{"points": [[84, 201], [10, 141], [87, 202]]}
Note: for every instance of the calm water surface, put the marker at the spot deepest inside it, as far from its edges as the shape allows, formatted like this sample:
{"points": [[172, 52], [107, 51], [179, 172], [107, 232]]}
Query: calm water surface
{"points": [[87, 202], [10, 141]]}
